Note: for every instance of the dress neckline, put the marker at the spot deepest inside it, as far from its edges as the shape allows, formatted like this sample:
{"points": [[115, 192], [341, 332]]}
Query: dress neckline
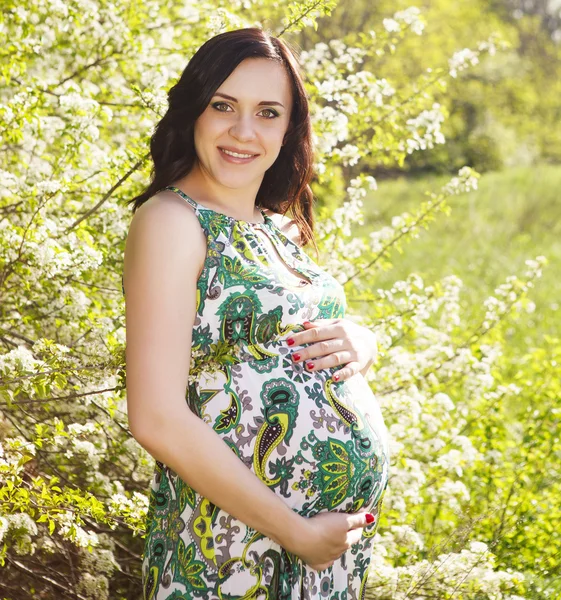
{"points": [[267, 219]]}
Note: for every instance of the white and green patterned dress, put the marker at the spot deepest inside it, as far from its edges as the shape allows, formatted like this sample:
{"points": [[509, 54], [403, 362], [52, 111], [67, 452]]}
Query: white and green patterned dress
{"points": [[319, 444]]}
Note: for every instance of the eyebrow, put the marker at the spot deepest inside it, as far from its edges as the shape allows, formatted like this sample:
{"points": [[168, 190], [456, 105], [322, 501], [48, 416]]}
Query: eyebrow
{"points": [[265, 102]]}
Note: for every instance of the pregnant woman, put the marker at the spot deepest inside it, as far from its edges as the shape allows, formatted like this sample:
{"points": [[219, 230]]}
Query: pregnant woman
{"points": [[245, 381]]}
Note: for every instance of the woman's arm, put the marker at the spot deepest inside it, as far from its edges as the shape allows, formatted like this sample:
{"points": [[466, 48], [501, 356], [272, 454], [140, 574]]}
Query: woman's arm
{"points": [[165, 251]]}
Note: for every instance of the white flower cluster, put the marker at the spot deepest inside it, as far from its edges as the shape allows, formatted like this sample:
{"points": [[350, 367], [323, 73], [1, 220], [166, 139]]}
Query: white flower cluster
{"points": [[466, 181], [510, 293], [427, 442], [20, 359], [21, 529], [356, 190], [333, 126], [222, 20], [4, 524], [374, 89], [53, 259], [461, 60], [69, 529], [346, 56], [87, 451], [470, 573], [10, 185], [315, 59], [71, 442], [50, 186], [398, 538], [456, 460], [410, 16], [450, 317], [331, 89], [73, 101], [391, 25], [452, 492], [102, 559], [11, 451], [341, 250], [534, 270], [76, 429], [424, 130], [135, 507], [331, 67], [425, 434], [348, 155], [380, 238]]}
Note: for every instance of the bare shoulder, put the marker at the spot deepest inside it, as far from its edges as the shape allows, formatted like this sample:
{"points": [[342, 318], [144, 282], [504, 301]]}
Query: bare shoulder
{"points": [[286, 225], [165, 208], [164, 252], [164, 228]]}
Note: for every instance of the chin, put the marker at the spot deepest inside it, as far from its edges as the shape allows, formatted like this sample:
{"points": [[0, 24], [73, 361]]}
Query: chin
{"points": [[232, 179], [235, 182]]}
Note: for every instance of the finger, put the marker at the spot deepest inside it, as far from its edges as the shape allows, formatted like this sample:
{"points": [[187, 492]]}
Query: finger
{"points": [[350, 369], [305, 337], [357, 520], [319, 322], [313, 335], [354, 536], [319, 349], [335, 359]]}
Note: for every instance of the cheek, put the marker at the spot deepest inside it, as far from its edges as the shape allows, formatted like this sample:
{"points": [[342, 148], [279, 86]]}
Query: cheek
{"points": [[273, 153], [274, 135], [277, 137], [206, 128]]}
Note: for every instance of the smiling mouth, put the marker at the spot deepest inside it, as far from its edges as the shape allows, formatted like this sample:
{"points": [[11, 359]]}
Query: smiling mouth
{"points": [[237, 154]]}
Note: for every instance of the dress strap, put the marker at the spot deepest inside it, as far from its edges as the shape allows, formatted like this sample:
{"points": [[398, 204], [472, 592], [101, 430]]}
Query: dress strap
{"points": [[199, 207], [183, 195]]}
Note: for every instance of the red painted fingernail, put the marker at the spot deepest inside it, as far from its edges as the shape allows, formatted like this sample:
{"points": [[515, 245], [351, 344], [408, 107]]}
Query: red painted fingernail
{"points": [[296, 356], [369, 518], [336, 377], [290, 342], [310, 365], [307, 323]]}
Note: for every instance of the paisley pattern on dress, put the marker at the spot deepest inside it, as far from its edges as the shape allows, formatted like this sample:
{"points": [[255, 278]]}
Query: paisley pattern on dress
{"points": [[319, 444]]}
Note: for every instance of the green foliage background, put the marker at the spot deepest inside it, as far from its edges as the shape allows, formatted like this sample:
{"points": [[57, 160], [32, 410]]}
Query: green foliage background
{"points": [[440, 261]]}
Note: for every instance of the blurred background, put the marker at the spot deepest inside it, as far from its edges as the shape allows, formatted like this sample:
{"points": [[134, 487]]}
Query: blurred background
{"points": [[504, 121]]}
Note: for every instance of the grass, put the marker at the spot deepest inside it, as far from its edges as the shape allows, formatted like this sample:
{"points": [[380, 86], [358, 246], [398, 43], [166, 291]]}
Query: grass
{"points": [[514, 215]]}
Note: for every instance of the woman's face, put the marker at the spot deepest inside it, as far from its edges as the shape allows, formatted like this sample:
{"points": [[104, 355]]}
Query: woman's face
{"points": [[248, 114]]}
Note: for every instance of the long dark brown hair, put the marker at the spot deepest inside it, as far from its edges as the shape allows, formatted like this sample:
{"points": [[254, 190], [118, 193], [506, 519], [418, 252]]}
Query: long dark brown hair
{"points": [[286, 184]]}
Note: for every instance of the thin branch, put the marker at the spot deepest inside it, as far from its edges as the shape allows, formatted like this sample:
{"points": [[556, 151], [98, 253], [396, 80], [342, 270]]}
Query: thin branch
{"points": [[53, 582], [108, 195], [302, 16]]}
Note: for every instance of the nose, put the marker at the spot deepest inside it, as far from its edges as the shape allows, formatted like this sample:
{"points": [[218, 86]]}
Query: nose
{"points": [[243, 129]]}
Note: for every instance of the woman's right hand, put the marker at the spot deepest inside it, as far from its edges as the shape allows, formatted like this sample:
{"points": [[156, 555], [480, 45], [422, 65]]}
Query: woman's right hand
{"points": [[326, 536]]}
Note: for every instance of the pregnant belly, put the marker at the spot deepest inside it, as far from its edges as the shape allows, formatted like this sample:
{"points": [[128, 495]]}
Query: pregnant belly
{"points": [[320, 444]]}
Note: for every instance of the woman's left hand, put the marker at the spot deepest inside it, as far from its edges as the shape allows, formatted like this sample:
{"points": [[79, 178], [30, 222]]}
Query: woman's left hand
{"points": [[335, 342]]}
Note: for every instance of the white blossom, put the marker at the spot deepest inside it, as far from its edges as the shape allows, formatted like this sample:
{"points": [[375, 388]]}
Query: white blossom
{"points": [[461, 60]]}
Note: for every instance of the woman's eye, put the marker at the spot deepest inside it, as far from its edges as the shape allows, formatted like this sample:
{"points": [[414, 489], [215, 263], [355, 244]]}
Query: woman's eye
{"points": [[273, 113], [217, 104]]}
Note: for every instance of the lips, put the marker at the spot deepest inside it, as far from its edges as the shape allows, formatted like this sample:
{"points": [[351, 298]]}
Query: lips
{"points": [[238, 151], [236, 160]]}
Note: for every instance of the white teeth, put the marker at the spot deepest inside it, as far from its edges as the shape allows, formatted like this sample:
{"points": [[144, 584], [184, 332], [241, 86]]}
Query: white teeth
{"points": [[236, 154]]}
